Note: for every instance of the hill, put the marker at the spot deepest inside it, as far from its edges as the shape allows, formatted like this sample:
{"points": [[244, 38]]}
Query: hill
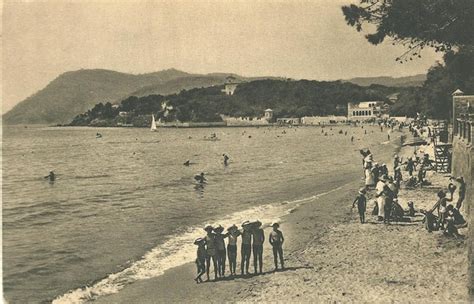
{"points": [[75, 92], [287, 98], [409, 81]]}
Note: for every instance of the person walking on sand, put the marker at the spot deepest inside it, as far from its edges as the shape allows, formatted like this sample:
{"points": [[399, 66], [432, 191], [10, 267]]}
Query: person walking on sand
{"points": [[246, 248], [200, 258], [210, 241], [233, 233], [257, 247], [361, 201], [220, 250], [276, 239]]}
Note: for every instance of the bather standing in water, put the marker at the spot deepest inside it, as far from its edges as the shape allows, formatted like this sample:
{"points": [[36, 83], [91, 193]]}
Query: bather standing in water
{"points": [[226, 159], [51, 176], [200, 178]]}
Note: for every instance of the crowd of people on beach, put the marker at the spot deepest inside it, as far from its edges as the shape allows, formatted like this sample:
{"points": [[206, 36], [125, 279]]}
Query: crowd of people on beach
{"points": [[442, 216], [212, 250]]}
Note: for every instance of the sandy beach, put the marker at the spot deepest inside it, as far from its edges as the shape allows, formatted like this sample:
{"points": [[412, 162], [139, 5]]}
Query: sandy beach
{"points": [[330, 256]]}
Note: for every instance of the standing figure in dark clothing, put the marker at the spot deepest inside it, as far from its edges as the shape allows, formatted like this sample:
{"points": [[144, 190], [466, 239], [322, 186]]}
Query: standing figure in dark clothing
{"points": [[226, 159], [220, 250], [246, 248], [361, 202], [200, 258], [258, 239], [276, 240], [210, 241]]}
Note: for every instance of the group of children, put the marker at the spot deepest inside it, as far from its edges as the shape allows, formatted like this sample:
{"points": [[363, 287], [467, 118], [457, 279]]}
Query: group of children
{"points": [[212, 250]]}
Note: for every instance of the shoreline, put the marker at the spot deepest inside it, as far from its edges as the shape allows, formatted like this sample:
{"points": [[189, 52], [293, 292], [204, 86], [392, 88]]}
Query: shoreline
{"points": [[305, 224]]}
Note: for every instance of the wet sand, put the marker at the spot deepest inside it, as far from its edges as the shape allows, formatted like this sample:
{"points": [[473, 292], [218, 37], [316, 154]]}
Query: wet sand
{"points": [[331, 257]]}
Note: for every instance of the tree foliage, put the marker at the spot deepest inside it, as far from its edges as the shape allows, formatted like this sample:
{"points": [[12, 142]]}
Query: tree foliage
{"points": [[286, 98], [416, 24]]}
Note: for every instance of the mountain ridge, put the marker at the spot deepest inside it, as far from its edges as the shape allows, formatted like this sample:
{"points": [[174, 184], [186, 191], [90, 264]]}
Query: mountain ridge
{"points": [[75, 92]]}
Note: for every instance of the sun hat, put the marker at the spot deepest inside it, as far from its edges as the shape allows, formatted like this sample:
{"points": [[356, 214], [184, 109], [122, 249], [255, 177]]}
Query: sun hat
{"points": [[362, 191], [245, 223], [233, 227], [198, 241], [257, 223], [275, 225], [208, 227]]}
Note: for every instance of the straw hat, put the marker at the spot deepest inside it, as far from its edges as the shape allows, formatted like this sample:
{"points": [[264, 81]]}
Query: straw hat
{"points": [[362, 191], [198, 241], [275, 225], [245, 223], [208, 227], [233, 227], [219, 228]]}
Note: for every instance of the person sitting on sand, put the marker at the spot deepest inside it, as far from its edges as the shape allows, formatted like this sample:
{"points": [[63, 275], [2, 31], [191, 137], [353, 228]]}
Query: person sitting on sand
{"points": [[233, 233], [210, 241], [441, 207], [220, 250], [458, 219], [411, 209], [454, 220], [276, 239], [257, 247], [361, 201], [187, 163], [246, 247], [200, 258]]}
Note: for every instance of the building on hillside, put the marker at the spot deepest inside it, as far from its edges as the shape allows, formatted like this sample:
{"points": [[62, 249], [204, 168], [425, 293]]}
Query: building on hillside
{"points": [[230, 85], [364, 110], [269, 115]]}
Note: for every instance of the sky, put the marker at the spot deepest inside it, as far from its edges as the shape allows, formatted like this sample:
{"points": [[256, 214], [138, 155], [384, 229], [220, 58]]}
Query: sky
{"points": [[295, 39]]}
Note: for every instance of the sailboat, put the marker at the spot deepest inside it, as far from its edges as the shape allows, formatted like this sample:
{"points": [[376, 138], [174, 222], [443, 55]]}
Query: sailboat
{"points": [[153, 123]]}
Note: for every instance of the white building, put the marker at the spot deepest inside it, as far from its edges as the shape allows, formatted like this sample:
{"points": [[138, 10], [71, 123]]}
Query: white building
{"points": [[268, 114], [364, 110], [230, 84]]}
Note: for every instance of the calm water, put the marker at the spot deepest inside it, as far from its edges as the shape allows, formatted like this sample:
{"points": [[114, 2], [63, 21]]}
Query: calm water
{"points": [[124, 207]]}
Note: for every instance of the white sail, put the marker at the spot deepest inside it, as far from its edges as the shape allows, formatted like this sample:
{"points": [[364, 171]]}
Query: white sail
{"points": [[153, 123]]}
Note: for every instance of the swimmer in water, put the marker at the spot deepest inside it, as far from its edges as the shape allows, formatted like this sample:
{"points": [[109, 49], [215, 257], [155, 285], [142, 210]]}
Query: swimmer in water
{"points": [[51, 176], [200, 178], [187, 163]]}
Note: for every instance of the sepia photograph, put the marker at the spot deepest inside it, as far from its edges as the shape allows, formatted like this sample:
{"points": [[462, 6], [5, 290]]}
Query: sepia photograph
{"points": [[237, 151]]}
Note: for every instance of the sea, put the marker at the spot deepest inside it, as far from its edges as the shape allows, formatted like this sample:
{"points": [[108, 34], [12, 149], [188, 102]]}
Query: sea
{"points": [[124, 208]]}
